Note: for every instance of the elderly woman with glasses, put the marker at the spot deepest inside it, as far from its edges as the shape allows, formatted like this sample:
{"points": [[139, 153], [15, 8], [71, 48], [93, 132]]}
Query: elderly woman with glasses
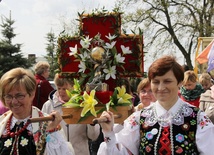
{"points": [[145, 94], [17, 134]]}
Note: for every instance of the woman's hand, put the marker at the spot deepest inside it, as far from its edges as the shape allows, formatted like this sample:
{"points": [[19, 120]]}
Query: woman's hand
{"points": [[57, 119], [107, 126]]}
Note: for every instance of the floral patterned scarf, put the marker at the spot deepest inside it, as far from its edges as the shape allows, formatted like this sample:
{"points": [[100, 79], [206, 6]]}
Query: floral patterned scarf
{"points": [[191, 95]]}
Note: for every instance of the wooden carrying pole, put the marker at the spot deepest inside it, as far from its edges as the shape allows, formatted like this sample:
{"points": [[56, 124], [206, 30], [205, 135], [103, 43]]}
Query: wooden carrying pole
{"points": [[104, 119], [51, 118], [47, 118]]}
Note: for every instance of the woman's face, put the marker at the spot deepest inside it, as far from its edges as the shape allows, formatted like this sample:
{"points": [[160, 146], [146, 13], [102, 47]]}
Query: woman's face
{"points": [[165, 88], [46, 73], [189, 85], [19, 102], [206, 85], [146, 96], [62, 91]]}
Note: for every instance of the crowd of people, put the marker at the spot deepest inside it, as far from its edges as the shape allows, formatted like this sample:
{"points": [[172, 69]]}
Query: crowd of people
{"points": [[173, 113]]}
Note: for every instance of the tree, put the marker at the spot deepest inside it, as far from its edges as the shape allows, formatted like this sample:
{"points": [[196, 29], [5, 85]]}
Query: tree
{"points": [[10, 54], [171, 24], [51, 53]]}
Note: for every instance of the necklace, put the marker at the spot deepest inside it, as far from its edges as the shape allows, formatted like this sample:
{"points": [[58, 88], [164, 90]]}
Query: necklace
{"points": [[16, 133]]}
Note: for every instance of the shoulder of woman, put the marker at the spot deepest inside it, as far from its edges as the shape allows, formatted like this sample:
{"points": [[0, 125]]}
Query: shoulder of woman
{"points": [[133, 121], [206, 96]]}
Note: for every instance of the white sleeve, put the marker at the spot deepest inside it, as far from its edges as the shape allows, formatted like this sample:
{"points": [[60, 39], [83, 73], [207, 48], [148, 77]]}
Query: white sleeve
{"points": [[93, 131], [204, 135], [127, 140], [46, 108], [56, 144]]}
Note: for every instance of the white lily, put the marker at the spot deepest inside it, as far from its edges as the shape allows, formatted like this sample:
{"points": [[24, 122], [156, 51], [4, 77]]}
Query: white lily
{"points": [[110, 46], [73, 50], [125, 50], [85, 42], [82, 67], [119, 58], [110, 37], [110, 72], [84, 56]]}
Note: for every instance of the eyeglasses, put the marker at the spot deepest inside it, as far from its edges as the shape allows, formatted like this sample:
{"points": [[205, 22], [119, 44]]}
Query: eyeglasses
{"points": [[19, 97], [146, 92]]}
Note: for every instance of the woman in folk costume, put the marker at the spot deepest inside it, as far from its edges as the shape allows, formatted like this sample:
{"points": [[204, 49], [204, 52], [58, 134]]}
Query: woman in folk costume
{"points": [[167, 127], [18, 136]]}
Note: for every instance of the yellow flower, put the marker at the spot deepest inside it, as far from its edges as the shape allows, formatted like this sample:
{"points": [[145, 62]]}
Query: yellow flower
{"points": [[88, 103], [122, 96]]}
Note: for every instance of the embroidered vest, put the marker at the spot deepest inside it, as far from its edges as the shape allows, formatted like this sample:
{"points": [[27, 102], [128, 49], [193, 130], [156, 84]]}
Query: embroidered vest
{"points": [[26, 143], [183, 136]]}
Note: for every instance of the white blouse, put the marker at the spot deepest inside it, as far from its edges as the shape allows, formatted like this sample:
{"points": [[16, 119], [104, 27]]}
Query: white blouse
{"points": [[127, 141]]}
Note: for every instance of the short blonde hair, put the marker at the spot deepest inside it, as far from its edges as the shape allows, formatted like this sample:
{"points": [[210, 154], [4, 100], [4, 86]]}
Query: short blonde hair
{"points": [[189, 76], [143, 83], [17, 77], [205, 78], [41, 67], [60, 81]]}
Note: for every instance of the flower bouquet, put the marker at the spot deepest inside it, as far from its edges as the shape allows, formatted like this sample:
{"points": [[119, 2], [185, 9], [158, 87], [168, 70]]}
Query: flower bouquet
{"points": [[85, 106]]}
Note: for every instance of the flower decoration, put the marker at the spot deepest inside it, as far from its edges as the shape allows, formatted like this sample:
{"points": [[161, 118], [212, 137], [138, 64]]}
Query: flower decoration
{"points": [[108, 63], [149, 135], [110, 72], [122, 96], [88, 100], [180, 138], [8, 143], [89, 103], [119, 97], [125, 50], [24, 142], [73, 50]]}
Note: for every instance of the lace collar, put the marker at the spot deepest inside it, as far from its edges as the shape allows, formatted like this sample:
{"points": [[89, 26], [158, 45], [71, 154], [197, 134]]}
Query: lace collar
{"points": [[15, 120], [156, 113]]}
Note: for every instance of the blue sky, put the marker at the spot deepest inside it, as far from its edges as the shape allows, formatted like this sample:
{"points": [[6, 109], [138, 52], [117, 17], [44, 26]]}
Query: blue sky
{"points": [[35, 18]]}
